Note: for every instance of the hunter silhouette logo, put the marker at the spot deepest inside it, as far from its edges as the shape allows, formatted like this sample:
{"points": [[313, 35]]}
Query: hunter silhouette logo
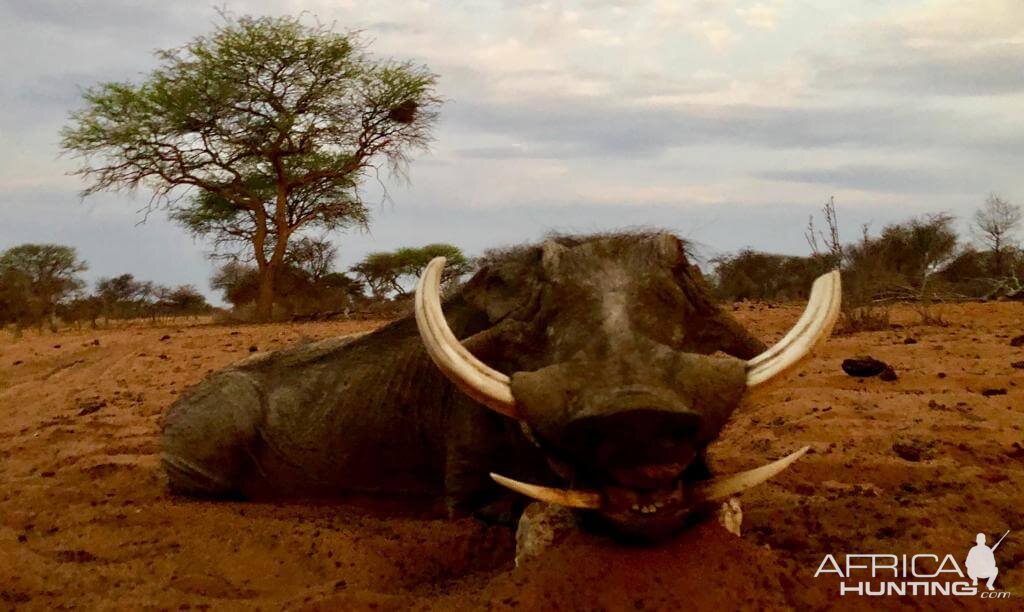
{"points": [[981, 561], [924, 574]]}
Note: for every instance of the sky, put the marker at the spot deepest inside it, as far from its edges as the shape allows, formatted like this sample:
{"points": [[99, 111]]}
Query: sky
{"points": [[726, 122]]}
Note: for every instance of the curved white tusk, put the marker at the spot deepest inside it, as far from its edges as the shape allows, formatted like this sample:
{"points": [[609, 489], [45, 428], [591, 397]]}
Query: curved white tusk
{"points": [[712, 490], [813, 327], [722, 488], [473, 377], [570, 498]]}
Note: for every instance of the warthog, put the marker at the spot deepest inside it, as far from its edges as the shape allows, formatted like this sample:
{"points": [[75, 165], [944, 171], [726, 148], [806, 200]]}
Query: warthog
{"points": [[622, 370]]}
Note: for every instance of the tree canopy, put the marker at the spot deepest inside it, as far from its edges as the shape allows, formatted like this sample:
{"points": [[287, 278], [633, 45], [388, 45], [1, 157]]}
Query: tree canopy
{"points": [[997, 222], [34, 278], [388, 273], [256, 132]]}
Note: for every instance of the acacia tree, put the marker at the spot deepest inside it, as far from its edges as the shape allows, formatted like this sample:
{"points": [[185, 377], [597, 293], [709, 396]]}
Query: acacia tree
{"points": [[384, 272], [260, 130], [997, 221], [46, 275]]}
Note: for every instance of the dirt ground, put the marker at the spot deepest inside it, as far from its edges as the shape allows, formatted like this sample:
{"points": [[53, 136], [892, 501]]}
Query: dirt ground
{"points": [[916, 465]]}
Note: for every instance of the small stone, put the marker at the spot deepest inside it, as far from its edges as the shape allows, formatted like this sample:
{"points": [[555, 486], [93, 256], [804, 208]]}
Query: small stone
{"points": [[541, 526], [253, 348], [888, 374], [993, 391], [908, 451], [1018, 365], [91, 406], [1018, 341], [864, 366], [75, 556], [730, 516], [909, 341], [164, 338]]}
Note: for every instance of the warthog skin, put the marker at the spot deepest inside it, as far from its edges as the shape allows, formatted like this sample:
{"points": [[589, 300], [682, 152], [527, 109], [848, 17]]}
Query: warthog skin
{"points": [[610, 342]]}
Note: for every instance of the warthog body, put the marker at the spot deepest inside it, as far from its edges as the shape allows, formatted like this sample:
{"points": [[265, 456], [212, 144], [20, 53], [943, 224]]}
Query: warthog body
{"points": [[609, 341]]}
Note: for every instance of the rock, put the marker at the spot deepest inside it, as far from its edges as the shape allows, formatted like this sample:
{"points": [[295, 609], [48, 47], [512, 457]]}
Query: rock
{"points": [[993, 391], [540, 527], [864, 366], [253, 348], [913, 450], [730, 516], [888, 374], [91, 406], [1019, 365], [1018, 341], [75, 556], [164, 338], [909, 341]]}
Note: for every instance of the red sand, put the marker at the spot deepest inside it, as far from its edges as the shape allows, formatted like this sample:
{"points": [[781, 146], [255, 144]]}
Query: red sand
{"points": [[917, 465]]}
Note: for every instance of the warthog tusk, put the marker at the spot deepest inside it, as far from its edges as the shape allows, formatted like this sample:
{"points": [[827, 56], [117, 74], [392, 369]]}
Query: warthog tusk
{"points": [[813, 327], [711, 490], [570, 498], [472, 376], [727, 486]]}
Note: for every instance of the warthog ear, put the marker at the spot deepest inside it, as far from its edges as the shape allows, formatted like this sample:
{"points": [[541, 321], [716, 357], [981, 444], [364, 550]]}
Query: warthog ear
{"points": [[551, 254], [502, 288], [670, 248]]}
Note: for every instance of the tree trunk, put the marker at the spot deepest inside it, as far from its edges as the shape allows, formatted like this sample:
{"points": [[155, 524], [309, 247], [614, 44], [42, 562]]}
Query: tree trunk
{"points": [[997, 256], [265, 298], [268, 272]]}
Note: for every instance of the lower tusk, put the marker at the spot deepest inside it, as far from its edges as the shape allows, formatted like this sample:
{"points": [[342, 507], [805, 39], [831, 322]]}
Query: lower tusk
{"points": [[722, 488], [562, 497]]}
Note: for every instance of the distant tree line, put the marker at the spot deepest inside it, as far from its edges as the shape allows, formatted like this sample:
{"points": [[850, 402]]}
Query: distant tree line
{"points": [[40, 285], [309, 287], [921, 260]]}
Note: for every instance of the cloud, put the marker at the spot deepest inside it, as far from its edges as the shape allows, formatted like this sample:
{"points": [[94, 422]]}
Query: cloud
{"points": [[957, 49], [885, 179], [760, 15], [601, 128], [726, 120]]}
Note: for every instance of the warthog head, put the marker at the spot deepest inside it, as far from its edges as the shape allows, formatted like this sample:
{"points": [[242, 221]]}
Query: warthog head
{"points": [[621, 370]]}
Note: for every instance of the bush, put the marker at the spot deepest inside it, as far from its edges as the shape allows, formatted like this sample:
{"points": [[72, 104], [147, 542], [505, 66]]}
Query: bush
{"points": [[299, 293], [752, 275]]}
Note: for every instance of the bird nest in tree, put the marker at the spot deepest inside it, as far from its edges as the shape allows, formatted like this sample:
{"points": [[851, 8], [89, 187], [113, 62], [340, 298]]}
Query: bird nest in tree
{"points": [[404, 112]]}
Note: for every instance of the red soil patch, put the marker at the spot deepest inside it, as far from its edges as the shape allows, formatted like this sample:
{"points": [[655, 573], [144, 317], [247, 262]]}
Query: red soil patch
{"points": [[919, 464]]}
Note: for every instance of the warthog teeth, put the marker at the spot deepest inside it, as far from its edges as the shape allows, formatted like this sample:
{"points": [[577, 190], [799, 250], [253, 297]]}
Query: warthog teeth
{"points": [[719, 488]]}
